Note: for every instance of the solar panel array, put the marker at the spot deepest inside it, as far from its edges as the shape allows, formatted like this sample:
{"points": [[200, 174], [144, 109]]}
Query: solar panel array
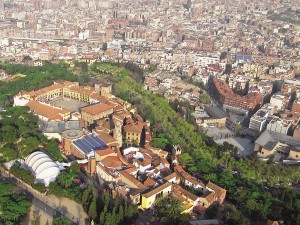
{"points": [[89, 143]]}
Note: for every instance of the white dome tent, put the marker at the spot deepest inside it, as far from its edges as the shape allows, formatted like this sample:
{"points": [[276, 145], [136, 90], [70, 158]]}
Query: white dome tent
{"points": [[43, 167]]}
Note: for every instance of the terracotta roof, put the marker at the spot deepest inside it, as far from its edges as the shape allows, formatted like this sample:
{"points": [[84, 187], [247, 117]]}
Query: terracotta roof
{"points": [[210, 197], [170, 177], [133, 128], [99, 97], [179, 169], [194, 181], [108, 139], [118, 100], [112, 162], [180, 191], [145, 162], [132, 179], [46, 89], [83, 90], [149, 182], [218, 190], [45, 110], [118, 109], [96, 109], [146, 151], [104, 152], [130, 170], [157, 190]]}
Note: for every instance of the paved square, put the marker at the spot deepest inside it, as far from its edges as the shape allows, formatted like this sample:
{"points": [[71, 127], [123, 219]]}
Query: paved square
{"points": [[68, 103], [244, 145]]}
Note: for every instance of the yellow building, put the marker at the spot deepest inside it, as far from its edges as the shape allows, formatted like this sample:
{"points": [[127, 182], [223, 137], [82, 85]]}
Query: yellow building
{"points": [[133, 132], [149, 198], [92, 113]]}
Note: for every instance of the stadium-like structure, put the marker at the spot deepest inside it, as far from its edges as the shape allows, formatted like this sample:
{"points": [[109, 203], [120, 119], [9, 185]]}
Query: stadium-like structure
{"points": [[43, 167]]}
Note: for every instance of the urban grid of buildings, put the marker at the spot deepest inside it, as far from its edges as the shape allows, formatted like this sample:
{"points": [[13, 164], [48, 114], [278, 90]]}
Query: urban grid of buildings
{"points": [[246, 54]]}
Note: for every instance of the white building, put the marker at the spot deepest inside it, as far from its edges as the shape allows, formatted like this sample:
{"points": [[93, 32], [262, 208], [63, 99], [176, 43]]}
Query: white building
{"points": [[279, 125], [279, 100], [259, 120], [42, 167]]}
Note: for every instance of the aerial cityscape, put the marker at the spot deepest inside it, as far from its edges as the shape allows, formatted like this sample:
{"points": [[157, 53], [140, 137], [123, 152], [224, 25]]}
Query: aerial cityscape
{"points": [[149, 112]]}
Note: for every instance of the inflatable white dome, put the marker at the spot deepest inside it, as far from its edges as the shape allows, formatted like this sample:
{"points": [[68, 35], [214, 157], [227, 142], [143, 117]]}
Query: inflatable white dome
{"points": [[43, 167]]}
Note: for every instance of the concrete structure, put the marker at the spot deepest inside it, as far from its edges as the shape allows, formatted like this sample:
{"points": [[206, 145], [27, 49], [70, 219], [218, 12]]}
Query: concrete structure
{"points": [[279, 125], [281, 146], [213, 118], [280, 101], [234, 102], [259, 120]]}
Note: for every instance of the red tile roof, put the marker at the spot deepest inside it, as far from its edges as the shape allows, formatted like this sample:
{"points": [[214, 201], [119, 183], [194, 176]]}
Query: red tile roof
{"points": [[96, 109]]}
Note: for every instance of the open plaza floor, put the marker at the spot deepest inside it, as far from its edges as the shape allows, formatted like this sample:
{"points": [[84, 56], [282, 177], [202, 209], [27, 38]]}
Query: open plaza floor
{"points": [[68, 103], [244, 145]]}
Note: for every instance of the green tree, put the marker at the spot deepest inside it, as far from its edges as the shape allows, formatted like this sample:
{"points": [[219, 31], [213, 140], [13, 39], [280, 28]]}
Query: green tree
{"points": [[62, 220], [102, 217], [12, 206], [211, 212], [168, 210], [75, 167], [204, 99], [8, 153], [87, 197], [93, 209], [104, 46]]}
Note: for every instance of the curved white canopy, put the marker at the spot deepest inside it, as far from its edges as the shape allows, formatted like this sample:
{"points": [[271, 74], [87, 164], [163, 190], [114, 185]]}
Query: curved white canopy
{"points": [[43, 167]]}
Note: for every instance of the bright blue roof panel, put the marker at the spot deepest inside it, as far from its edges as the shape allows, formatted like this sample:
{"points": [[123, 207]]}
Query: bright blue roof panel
{"points": [[89, 143]]}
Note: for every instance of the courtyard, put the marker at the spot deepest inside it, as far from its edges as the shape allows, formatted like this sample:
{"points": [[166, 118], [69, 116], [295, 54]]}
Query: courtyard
{"points": [[68, 103], [219, 133], [244, 145]]}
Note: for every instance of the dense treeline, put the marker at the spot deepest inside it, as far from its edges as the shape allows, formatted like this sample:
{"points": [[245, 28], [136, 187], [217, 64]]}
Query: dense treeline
{"points": [[254, 187], [104, 210], [135, 70], [36, 77], [20, 136], [12, 206]]}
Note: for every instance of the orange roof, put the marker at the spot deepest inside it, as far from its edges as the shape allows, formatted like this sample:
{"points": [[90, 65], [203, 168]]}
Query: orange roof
{"points": [[96, 109], [132, 179], [179, 169], [218, 190], [99, 97], [104, 152], [210, 197], [108, 139], [87, 90], [149, 182], [133, 128], [157, 190], [45, 90], [112, 162], [170, 177], [46, 110], [177, 190]]}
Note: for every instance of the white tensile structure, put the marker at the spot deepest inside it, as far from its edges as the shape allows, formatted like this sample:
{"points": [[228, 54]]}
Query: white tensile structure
{"points": [[43, 167]]}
